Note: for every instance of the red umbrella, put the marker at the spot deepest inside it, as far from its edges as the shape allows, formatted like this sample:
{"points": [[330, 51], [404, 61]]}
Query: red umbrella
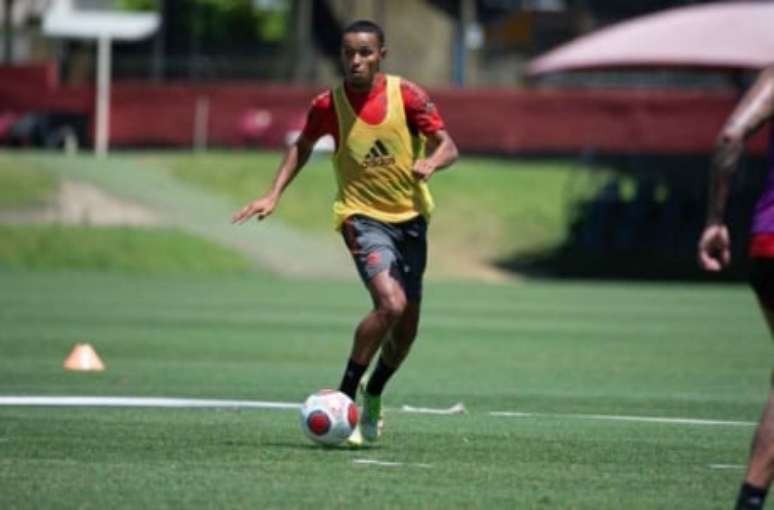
{"points": [[737, 35]]}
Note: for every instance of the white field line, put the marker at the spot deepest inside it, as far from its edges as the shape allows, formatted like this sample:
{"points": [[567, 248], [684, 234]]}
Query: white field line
{"points": [[639, 419], [143, 402], [372, 462], [726, 466], [459, 408]]}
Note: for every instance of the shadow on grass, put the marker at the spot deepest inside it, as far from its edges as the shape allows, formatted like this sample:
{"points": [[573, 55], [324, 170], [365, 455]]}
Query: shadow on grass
{"points": [[322, 448], [574, 263]]}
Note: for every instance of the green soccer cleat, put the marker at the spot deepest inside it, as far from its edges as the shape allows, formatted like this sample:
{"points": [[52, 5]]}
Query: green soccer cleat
{"points": [[371, 419], [355, 440]]}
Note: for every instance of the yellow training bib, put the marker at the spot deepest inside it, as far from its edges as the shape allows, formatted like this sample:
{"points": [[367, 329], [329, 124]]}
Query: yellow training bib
{"points": [[373, 163]]}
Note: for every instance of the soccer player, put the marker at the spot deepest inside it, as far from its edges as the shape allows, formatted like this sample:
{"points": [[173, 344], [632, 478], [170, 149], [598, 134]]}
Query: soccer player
{"points": [[390, 140], [754, 110]]}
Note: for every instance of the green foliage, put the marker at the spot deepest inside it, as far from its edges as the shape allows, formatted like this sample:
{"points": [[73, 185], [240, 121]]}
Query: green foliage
{"points": [[236, 22], [139, 5], [127, 249], [273, 25], [227, 22], [24, 186]]}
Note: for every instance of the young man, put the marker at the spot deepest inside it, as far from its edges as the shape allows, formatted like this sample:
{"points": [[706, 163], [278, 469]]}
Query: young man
{"points": [[754, 110], [379, 123]]}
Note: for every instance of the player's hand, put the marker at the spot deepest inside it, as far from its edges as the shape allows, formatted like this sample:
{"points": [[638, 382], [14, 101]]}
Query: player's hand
{"points": [[261, 208], [714, 248], [422, 169]]}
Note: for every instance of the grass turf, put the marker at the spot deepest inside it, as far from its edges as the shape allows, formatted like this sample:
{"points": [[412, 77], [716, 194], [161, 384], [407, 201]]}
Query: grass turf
{"points": [[24, 185], [649, 350], [127, 249], [487, 210]]}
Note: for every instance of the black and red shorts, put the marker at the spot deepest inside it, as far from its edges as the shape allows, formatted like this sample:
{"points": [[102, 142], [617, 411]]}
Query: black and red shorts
{"points": [[400, 248]]}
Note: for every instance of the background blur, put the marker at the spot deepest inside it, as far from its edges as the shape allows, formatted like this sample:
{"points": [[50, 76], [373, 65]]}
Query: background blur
{"points": [[240, 74]]}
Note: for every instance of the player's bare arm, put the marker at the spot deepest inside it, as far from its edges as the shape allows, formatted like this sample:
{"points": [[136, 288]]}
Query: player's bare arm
{"points": [[755, 108], [293, 161], [442, 153]]}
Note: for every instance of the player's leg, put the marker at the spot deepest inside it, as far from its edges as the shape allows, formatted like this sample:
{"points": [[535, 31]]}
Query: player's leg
{"points": [[760, 468], [389, 306], [395, 348], [389, 303], [375, 256], [412, 260]]}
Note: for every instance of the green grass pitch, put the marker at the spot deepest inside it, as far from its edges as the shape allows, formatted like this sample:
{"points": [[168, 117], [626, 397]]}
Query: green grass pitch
{"points": [[560, 350]]}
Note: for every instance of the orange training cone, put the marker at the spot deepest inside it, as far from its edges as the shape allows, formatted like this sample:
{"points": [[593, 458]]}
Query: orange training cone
{"points": [[83, 357]]}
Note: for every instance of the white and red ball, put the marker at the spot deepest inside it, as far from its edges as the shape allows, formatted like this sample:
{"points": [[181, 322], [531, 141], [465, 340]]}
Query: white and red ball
{"points": [[328, 417]]}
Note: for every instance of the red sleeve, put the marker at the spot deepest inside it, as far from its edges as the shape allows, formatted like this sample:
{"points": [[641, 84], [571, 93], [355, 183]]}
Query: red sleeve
{"points": [[421, 114], [321, 119]]}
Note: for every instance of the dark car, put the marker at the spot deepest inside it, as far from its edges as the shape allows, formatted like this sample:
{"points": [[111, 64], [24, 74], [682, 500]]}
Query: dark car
{"points": [[47, 129]]}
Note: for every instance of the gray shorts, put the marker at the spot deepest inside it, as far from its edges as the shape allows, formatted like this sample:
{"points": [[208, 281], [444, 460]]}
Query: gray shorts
{"points": [[400, 248]]}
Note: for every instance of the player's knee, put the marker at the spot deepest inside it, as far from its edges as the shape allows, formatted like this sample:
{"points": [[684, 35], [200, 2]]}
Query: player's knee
{"points": [[393, 306]]}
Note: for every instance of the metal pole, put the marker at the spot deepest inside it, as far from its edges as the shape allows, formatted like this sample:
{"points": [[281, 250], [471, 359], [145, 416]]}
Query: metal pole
{"points": [[8, 32], [195, 44], [201, 121], [470, 30], [102, 127], [304, 53], [159, 49]]}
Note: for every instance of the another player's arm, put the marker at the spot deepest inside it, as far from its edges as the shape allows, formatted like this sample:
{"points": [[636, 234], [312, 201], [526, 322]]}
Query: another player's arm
{"points": [[755, 108], [293, 161]]}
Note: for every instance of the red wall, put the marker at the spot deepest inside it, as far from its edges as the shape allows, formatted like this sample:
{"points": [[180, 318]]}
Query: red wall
{"points": [[615, 121], [164, 114], [497, 121]]}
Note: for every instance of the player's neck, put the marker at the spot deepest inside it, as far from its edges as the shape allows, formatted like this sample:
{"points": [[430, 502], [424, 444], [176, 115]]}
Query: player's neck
{"points": [[364, 88]]}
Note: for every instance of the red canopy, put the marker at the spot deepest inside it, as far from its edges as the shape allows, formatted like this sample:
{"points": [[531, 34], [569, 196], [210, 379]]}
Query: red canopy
{"points": [[736, 35]]}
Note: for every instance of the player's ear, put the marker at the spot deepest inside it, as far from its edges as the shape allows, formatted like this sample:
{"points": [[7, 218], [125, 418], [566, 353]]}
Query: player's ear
{"points": [[383, 52]]}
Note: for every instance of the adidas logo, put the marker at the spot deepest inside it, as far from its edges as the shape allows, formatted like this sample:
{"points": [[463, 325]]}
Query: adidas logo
{"points": [[378, 156]]}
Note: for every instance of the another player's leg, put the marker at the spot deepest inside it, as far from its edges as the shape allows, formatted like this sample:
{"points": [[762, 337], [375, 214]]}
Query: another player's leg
{"points": [[394, 350], [760, 468]]}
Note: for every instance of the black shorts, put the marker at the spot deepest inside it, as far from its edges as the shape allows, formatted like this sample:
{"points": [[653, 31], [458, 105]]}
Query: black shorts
{"points": [[762, 281], [400, 248]]}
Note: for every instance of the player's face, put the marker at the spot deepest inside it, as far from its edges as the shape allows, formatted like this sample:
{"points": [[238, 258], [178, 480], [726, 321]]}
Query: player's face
{"points": [[361, 55]]}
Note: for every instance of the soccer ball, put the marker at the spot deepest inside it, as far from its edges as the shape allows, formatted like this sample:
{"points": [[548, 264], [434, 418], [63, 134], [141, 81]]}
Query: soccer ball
{"points": [[328, 417]]}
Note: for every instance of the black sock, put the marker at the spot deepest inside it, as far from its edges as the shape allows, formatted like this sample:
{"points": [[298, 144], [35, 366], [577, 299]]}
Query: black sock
{"points": [[352, 375], [379, 378], [751, 497]]}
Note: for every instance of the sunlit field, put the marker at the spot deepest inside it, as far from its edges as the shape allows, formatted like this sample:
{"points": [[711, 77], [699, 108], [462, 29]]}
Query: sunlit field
{"points": [[576, 394]]}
